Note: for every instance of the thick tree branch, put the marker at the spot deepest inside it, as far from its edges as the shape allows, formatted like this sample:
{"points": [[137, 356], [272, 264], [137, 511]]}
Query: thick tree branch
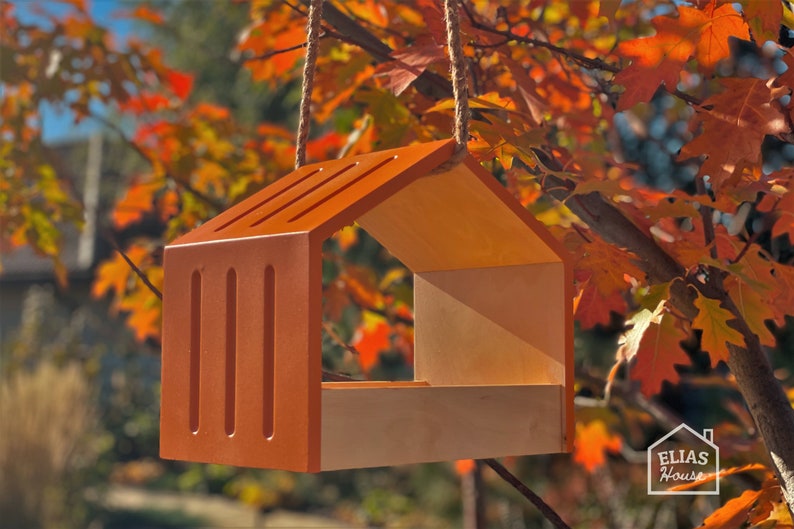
{"points": [[429, 83]]}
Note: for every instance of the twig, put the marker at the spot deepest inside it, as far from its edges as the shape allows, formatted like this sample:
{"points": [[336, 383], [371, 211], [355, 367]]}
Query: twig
{"points": [[708, 223], [272, 53], [336, 377], [596, 64], [544, 508], [750, 240], [335, 337], [692, 100], [134, 267]]}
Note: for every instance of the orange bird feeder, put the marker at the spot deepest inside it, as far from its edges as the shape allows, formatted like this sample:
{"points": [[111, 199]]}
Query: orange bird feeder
{"points": [[241, 373]]}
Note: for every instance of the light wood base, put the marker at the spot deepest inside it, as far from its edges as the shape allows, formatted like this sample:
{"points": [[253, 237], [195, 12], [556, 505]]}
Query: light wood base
{"points": [[379, 425]]}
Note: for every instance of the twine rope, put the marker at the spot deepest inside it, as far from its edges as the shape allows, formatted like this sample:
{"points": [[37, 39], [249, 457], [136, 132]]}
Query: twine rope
{"points": [[312, 49], [457, 61], [457, 68]]}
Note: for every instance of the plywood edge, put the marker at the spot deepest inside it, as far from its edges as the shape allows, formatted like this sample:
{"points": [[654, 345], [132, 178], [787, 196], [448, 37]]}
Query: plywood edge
{"points": [[374, 384], [568, 390], [367, 427]]}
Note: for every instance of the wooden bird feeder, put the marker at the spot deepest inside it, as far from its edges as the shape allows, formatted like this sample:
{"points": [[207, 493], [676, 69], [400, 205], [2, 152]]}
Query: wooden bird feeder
{"points": [[241, 372]]}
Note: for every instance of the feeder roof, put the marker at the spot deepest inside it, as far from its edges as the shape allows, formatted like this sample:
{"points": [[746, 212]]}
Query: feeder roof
{"points": [[460, 217]]}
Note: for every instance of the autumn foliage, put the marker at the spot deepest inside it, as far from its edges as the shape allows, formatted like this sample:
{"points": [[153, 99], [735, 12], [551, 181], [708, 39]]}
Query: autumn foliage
{"points": [[560, 91]]}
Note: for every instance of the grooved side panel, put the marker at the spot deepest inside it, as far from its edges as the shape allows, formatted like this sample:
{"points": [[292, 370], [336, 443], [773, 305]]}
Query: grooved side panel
{"points": [[258, 361], [367, 427]]}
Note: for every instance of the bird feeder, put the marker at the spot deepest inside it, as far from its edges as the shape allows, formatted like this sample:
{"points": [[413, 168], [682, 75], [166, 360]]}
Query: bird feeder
{"points": [[241, 366]]}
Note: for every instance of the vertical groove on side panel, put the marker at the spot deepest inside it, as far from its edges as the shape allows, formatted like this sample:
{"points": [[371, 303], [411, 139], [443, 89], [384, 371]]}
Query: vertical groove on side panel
{"points": [[269, 363], [231, 350], [195, 349]]}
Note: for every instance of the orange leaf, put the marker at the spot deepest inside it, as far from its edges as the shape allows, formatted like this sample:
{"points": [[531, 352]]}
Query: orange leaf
{"points": [[735, 126], [346, 237], [464, 466], [113, 274], [147, 14], [360, 284], [722, 473], [734, 513], [143, 308], [168, 204], [659, 59], [608, 265], [723, 22], [764, 17], [754, 307], [593, 441], [138, 199], [712, 319], [658, 353], [409, 64], [181, 83], [371, 338], [279, 33], [144, 102], [210, 111], [593, 308]]}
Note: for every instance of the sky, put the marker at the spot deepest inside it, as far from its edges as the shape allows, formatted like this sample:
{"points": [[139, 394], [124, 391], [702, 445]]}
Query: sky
{"points": [[58, 126]]}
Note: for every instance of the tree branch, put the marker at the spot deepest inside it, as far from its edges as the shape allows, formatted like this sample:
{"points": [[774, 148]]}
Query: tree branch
{"points": [[587, 62], [329, 330], [134, 267], [706, 213], [765, 398], [544, 508], [348, 30], [272, 53]]}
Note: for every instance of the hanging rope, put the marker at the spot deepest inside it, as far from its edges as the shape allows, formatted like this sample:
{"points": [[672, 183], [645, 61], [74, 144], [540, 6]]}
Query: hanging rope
{"points": [[312, 49], [457, 61]]}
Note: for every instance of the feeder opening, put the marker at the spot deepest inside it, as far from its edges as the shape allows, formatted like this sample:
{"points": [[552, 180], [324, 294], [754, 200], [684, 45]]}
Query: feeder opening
{"points": [[368, 324]]}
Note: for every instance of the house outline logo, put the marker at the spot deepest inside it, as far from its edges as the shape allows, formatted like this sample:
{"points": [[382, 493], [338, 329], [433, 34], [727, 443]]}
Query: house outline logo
{"points": [[693, 456]]}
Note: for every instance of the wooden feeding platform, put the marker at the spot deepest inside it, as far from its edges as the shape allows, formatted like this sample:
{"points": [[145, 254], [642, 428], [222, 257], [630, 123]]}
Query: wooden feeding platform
{"points": [[242, 316]]}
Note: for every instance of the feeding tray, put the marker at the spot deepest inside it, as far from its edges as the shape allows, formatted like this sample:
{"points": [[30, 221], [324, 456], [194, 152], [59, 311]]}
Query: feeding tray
{"points": [[242, 315]]}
